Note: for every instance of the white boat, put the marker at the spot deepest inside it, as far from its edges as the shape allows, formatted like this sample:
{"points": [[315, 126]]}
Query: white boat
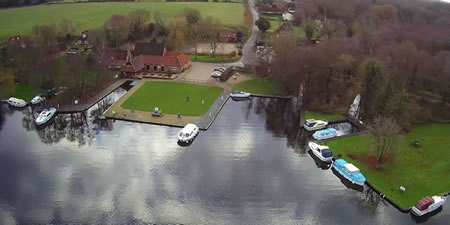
{"points": [[16, 102], [312, 124], [427, 205], [37, 99], [188, 133], [325, 134], [240, 94], [45, 116], [321, 151]]}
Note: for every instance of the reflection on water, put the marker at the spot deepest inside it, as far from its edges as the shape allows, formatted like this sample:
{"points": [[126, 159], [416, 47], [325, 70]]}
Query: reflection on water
{"points": [[344, 128], [248, 168]]}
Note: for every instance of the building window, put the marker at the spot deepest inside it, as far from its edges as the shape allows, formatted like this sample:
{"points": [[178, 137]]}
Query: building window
{"points": [[148, 67], [155, 68], [162, 68]]}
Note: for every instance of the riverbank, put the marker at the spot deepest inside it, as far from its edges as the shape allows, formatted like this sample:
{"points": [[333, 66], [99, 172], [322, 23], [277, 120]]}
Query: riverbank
{"points": [[420, 170]]}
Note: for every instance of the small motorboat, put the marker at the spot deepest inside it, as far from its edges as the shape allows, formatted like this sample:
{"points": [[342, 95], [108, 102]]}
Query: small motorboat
{"points": [[325, 134], [312, 124], [427, 205], [188, 133], [45, 116], [349, 172], [37, 99], [240, 94], [321, 151], [16, 102]]}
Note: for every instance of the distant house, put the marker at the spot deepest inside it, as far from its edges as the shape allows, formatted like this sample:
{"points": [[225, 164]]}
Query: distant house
{"points": [[17, 41], [154, 58], [287, 16], [228, 36]]}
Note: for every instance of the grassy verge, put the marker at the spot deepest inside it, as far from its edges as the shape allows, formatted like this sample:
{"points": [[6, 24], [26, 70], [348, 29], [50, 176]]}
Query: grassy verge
{"points": [[171, 98], [19, 21], [260, 86], [421, 170], [323, 116], [214, 59]]}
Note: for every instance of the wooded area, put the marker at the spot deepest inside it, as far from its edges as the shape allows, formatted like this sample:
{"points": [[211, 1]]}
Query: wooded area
{"points": [[396, 53]]}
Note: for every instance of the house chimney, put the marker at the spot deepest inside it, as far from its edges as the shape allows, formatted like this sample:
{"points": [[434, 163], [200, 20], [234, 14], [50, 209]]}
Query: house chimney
{"points": [[128, 55]]}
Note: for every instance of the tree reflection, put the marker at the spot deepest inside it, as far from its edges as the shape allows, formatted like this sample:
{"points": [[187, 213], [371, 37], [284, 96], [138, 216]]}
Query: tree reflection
{"points": [[370, 201], [283, 119]]}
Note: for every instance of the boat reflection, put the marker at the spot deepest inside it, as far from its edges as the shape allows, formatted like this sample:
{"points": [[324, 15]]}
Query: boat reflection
{"points": [[347, 183]]}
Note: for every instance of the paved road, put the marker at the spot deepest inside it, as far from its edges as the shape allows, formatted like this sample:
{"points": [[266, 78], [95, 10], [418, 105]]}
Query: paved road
{"points": [[248, 51]]}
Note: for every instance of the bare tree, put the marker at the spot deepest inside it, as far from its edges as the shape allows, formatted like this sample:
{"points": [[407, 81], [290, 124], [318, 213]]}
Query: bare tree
{"points": [[138, 20], [176, 35], [117, 29], [385, 132], [67, 28]]}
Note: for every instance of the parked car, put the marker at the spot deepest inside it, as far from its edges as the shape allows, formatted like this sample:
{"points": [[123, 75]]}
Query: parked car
{"points": [[216, 74], [221, 69]]}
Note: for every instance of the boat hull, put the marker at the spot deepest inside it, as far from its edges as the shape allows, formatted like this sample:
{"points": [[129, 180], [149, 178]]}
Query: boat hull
{"points": [[312, 146], [347, 177], [430, 209], [315, 128], [44, 120]]}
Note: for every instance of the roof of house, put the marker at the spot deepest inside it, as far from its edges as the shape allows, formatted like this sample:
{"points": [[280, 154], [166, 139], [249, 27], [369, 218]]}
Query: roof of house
{"points": [[117, 57], [169, 59], [144, 48]]}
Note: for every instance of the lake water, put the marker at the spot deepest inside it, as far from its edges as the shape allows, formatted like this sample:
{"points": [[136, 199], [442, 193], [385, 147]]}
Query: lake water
{"points": [[250, 167]]}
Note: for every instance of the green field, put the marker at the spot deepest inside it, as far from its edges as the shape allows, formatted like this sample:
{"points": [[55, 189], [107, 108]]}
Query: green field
{"points": [[19, 21], [323, 116], [214, 59], [260, 86], [421, 170], [171, 98]]}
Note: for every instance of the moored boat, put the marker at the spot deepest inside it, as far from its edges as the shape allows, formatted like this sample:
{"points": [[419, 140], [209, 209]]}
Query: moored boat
{"points": [[427, 205], [325, 134], [349, 172], [16, 102], [321, 151], [188, 133], [45, 116], [240, 94], [312, 124], [37, 99]]}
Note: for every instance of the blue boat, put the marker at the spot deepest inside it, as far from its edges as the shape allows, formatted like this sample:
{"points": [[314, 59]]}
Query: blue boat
{"points": [[325, 134], [349, 171]]}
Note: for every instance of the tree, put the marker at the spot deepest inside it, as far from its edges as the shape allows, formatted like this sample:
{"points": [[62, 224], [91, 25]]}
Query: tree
{"points": [[176, 35], [45, 34], [385, 133], [138, 19], [97, 38], [263, 24], [67, 28], [192, 16], [309, 31], [117, 29], [212, 32], [374, 81]]}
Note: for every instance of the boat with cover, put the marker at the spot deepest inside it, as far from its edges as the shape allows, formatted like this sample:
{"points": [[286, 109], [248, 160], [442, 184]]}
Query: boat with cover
{"points": [[240, 94], [45, 116], [427, 205], [188, 133], [325, 134], [312, 124], [37, 99], [16, 102], [349, 172], [321, 151]]}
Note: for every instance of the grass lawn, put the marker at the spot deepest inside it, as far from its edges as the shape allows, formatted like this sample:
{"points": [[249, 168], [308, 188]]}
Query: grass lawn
{"points": [[214, 59], [19, 21], [299, 31], [170, 97], [275, 22], [421, 170], [260, 86], [323, 116]]}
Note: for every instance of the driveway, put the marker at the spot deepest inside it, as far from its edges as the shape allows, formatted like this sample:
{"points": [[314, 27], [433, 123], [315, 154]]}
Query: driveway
{"points": [[222, 48], [199, 72]]}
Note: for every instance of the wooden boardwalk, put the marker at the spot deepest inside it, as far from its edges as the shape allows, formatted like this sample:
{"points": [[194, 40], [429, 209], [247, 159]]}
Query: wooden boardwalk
{"points": [[90, 102]]}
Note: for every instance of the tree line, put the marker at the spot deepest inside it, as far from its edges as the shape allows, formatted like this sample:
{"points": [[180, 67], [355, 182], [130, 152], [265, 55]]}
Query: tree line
{"points": [[395, 53]]}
